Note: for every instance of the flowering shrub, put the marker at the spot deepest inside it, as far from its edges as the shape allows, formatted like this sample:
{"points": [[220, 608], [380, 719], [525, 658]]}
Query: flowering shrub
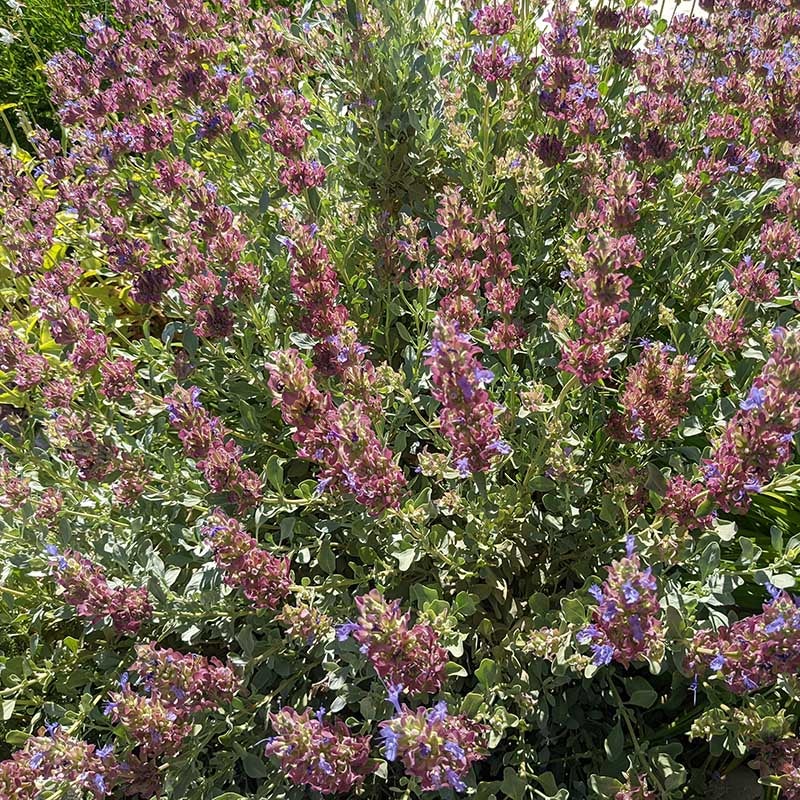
{"points": [[401, 399]]}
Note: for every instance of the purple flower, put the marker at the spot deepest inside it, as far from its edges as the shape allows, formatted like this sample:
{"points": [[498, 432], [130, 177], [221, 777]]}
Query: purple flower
{"points": [[389, 743], [754, 400], [603, 653], [587, 634], [777, 624], [455, 749], [717, 663], [393, 696], [455, 781], [629, 593], [344, 631], [438, 713]]}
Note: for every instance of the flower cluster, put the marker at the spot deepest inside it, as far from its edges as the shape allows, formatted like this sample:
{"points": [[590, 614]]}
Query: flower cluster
{"points": [[636, 788], [467, 414], [206, 439], [86, 587], [779, 762], [681, 504], [54, 761], [263, 578], [759, 438], [403, 655], [29, 367], [656, 394], [496, 19], [469, 262], [340, 438], [94, 456], [317, 753], [434, 746], [494, 62], [626, 624], [14, 490], [605, 288], [174, 688], [569, 84], [305, 622], [315, 285], [752, 653]]}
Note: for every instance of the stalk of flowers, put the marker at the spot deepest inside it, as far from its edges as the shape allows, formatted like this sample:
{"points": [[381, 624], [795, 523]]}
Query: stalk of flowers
{"points": [[73, 434], [176, 686], [29, 367], [186, 681], [626, 624], [604, 286], [458, 272], [682, 502], [779, 763], [434, 746], [752, 653], [569, 84], [502, 297], [206, 439], [53, 763], [315, 285], [272, 70], [14, 490], [305, 622], [157, 728], [467, 416], [656, 394], [339, 438], [636, 788], [263, 578], [318, 753], [759, 438], [402, 655], [86, 587], [469, 263]]}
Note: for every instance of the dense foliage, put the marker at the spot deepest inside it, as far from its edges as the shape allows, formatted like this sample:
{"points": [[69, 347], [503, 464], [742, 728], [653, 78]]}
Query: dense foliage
{"points": [[402, 399]]}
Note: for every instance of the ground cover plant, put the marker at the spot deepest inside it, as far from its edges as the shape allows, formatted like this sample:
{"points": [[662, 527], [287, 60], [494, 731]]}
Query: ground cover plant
{"points": [[400, 400]]}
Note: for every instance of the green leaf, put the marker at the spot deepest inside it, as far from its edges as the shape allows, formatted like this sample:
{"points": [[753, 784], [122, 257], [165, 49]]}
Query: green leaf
{"points": [[603, 786], [487, 672], [326, 558], [471, 704], [352, 12], [573, 610], [655, 480], [275, 473], [7, 709], [264, 200], [614, 743], [512, 784], [674, 773], [641, 693], [405, 558], [254, 767]]}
